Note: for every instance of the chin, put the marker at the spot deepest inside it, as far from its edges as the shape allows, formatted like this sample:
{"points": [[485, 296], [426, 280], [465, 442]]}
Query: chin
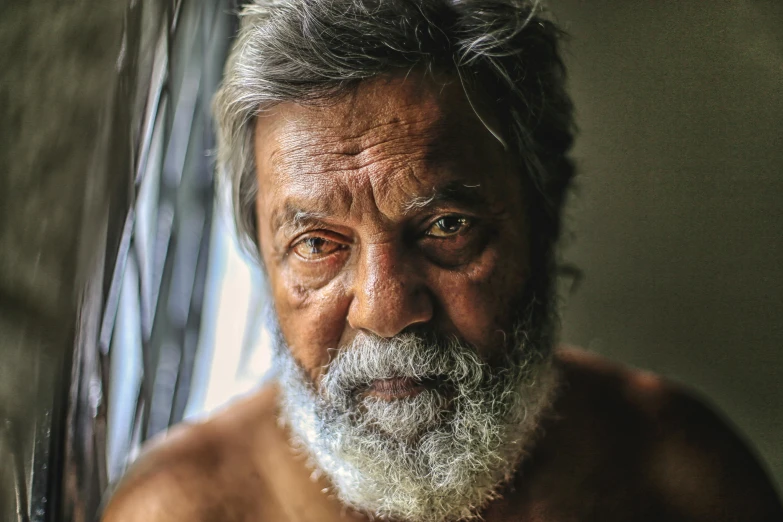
{"points": [[435, 433]]}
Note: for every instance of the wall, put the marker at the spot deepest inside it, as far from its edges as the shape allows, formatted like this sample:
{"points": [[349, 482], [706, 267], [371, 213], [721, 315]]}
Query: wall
{"points": [[677, 219], [58, 67]]}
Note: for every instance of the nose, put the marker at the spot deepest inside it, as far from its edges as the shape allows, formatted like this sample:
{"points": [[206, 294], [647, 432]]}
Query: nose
{"points": [[388, 294]]}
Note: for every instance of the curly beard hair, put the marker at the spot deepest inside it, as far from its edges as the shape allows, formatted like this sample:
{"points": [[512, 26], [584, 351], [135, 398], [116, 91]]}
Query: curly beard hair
{"points": [[440, 455]]}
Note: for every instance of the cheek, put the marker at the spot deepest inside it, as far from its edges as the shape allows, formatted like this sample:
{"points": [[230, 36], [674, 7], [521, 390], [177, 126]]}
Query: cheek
{"points": [[312, 321], [478, 301], [308, 318]]}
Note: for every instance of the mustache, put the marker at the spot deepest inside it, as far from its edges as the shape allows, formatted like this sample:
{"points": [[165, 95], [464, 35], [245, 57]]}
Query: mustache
{"points": [[425, 358]]}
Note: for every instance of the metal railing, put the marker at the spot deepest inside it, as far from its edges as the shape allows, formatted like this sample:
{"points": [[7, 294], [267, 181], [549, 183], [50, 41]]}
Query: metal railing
{"points": [[143, 256]]}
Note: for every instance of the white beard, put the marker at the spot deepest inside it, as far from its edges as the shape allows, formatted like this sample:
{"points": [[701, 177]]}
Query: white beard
{"points": [[425, 458]]}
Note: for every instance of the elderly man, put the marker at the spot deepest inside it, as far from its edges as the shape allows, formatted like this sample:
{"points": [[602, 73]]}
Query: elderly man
{"points": [[399, 167]]}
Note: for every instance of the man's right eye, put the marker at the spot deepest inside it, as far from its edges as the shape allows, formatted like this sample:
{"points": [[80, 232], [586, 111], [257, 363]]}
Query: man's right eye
{"points": [[315, 247]]}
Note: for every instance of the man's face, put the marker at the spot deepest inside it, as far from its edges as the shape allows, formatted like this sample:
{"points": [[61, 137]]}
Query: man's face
{"points": [[412, 357], [390, 210]]}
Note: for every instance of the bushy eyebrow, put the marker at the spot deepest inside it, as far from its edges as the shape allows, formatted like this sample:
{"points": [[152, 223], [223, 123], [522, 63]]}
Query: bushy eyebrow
{"points": [[453, 193], [291, 218]]}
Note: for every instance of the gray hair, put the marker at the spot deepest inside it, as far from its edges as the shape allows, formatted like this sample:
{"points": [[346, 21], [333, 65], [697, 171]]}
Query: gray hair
{"points": [[439, 456], [308, 51]]}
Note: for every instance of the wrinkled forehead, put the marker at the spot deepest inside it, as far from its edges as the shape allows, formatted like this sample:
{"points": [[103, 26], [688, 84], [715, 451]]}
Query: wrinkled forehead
{"points": [[425, 118], [391, 145], [370, 104]]}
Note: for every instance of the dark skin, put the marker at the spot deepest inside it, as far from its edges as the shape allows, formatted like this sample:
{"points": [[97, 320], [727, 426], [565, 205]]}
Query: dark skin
{"points": [[379, 213], [394, 208]]}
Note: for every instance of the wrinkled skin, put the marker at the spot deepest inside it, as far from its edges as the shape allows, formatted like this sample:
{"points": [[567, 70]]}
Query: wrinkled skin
{"points": [[362, 171], [371, 250]]}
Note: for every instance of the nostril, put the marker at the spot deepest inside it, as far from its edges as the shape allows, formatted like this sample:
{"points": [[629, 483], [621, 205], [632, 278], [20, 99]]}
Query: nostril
{"points": [[386, 318]]}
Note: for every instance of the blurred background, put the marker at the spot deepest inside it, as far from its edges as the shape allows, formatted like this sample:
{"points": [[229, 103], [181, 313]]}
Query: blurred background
{"points": [[125, 305]]}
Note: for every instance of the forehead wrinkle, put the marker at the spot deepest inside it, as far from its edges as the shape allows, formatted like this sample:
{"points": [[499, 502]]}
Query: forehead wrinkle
{"points": [[372, 193], [311, 150], [387, 191], [354, 130], [303, 199], [364, 182], [365, 150], [358, 126]]}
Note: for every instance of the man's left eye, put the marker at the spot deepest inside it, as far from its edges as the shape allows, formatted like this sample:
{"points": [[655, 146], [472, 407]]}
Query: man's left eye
{"points": [[448, 226]]}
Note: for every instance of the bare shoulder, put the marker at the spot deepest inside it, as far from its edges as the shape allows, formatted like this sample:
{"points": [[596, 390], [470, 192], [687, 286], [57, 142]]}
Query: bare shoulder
{"points": [[682, 451], [196, 472]]}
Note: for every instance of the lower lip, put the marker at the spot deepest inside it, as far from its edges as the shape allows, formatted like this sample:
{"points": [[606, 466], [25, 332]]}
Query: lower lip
{"points": [[396, 388]]}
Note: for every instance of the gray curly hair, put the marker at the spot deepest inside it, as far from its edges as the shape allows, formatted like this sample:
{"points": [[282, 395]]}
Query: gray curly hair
{"points": [[310, 51]]}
